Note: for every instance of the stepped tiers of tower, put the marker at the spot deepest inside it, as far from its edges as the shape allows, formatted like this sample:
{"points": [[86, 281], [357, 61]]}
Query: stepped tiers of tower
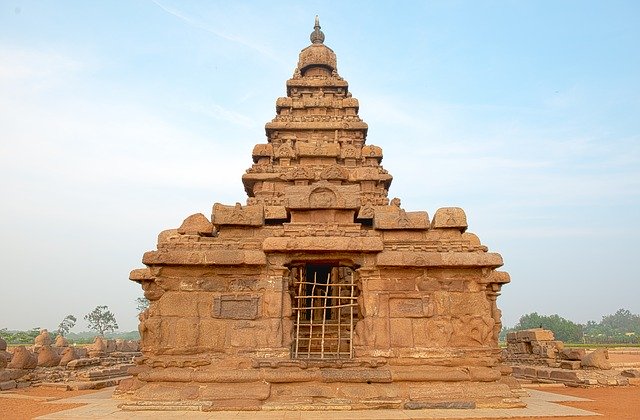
{"points": [[320, 292]]}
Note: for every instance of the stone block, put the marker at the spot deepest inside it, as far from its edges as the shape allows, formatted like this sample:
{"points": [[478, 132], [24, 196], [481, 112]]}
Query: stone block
{"points": [[289, 391], [11, 374], [451, 405], [631, 373], [167, 392], [450, 218], [325, 244], [322, 195], [181, 334], [177, 304], [407, 308], [535, 334], [421, 333], [572, 354], [275, 213], [356, 375], [196, 224], [564, 376], [237, 215], [438, 259], [4, 386], [84, 362], [430, 374], [484, 374], [237, 306], [241, 390], [392, 218], [570, 364], [401, 332]]}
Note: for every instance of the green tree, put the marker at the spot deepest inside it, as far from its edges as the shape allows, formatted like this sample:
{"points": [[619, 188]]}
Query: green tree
{"points": [[621, 327], [20, 337], [101, 320], [142, 303], [562, 328], [67, 323], [623, 321]]}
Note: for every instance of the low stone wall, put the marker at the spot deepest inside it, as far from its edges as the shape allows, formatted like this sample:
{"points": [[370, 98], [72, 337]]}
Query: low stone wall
{"points": [[104, 363]]}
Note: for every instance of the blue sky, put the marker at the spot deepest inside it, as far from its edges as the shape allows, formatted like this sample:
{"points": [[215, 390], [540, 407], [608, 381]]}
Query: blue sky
{"points": [[120, 119]]}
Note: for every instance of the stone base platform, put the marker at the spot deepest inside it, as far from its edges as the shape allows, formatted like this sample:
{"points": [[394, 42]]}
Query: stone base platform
{"points": [[388, 387]]}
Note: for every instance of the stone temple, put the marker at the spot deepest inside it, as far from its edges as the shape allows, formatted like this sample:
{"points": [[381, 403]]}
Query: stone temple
{"points": [[320, 292]]}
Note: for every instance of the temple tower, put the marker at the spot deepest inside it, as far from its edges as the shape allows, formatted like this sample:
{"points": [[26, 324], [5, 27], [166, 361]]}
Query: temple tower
{"points": [[320, 292]]}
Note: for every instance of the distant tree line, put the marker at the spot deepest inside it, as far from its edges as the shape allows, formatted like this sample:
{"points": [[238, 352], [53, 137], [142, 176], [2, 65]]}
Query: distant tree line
{"points": [[101, 320], [623, 327]]}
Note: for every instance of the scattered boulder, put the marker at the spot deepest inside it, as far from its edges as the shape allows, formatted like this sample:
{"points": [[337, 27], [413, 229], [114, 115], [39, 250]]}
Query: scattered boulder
{"points": [[111, 346], [48, 357], [81, 363], [61, 341], [81, 352], [98, 348], [12, 374], [23, 359], [598, 359], [631, 373], [43, 339], [68, 354], [127, 346], [5, 356]]}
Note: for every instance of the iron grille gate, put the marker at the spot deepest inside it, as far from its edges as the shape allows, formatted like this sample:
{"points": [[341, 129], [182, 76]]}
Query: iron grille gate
{"points": [[324, 309]]}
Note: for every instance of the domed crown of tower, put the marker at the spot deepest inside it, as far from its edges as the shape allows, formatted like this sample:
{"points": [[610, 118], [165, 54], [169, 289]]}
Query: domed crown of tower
{"points": [[317, 54]]}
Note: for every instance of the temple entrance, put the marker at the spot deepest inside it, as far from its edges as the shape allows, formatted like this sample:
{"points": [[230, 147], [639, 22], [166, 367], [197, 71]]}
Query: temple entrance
{"points": [[324, 311]]}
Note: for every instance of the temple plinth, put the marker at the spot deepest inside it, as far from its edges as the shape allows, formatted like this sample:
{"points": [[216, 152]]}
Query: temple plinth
{"points": [[319, 292]]}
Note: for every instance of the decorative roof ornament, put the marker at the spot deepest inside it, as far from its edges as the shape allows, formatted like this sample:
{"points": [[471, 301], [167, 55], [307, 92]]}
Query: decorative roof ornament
{"points": [[317, 37]]}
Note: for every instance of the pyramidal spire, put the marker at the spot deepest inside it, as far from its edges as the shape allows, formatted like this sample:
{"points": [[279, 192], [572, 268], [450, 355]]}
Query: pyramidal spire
{"points": [[317, 37]]}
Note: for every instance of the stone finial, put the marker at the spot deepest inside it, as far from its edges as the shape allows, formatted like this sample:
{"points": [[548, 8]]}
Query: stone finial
{"points": [[317, 37]]}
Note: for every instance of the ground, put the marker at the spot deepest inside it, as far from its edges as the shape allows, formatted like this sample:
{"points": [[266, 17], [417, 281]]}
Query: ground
{"points": [[28, 403], [615, 403]]}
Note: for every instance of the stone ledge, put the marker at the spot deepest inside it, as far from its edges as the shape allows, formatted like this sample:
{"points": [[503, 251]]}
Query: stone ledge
{"points": [[323, 244], [438, 259], [212, 257]]}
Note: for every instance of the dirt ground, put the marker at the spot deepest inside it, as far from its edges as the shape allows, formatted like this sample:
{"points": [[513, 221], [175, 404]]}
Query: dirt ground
{"points": [[624, 356], [615, 403], [611, 403], [27, 403]]}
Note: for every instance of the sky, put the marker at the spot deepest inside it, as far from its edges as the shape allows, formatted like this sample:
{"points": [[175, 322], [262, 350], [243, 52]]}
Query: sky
{"points": [[119, 119]]}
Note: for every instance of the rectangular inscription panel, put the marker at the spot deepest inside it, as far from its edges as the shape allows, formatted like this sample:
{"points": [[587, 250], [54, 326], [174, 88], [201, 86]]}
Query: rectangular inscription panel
{"points": [[236, 307]]}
